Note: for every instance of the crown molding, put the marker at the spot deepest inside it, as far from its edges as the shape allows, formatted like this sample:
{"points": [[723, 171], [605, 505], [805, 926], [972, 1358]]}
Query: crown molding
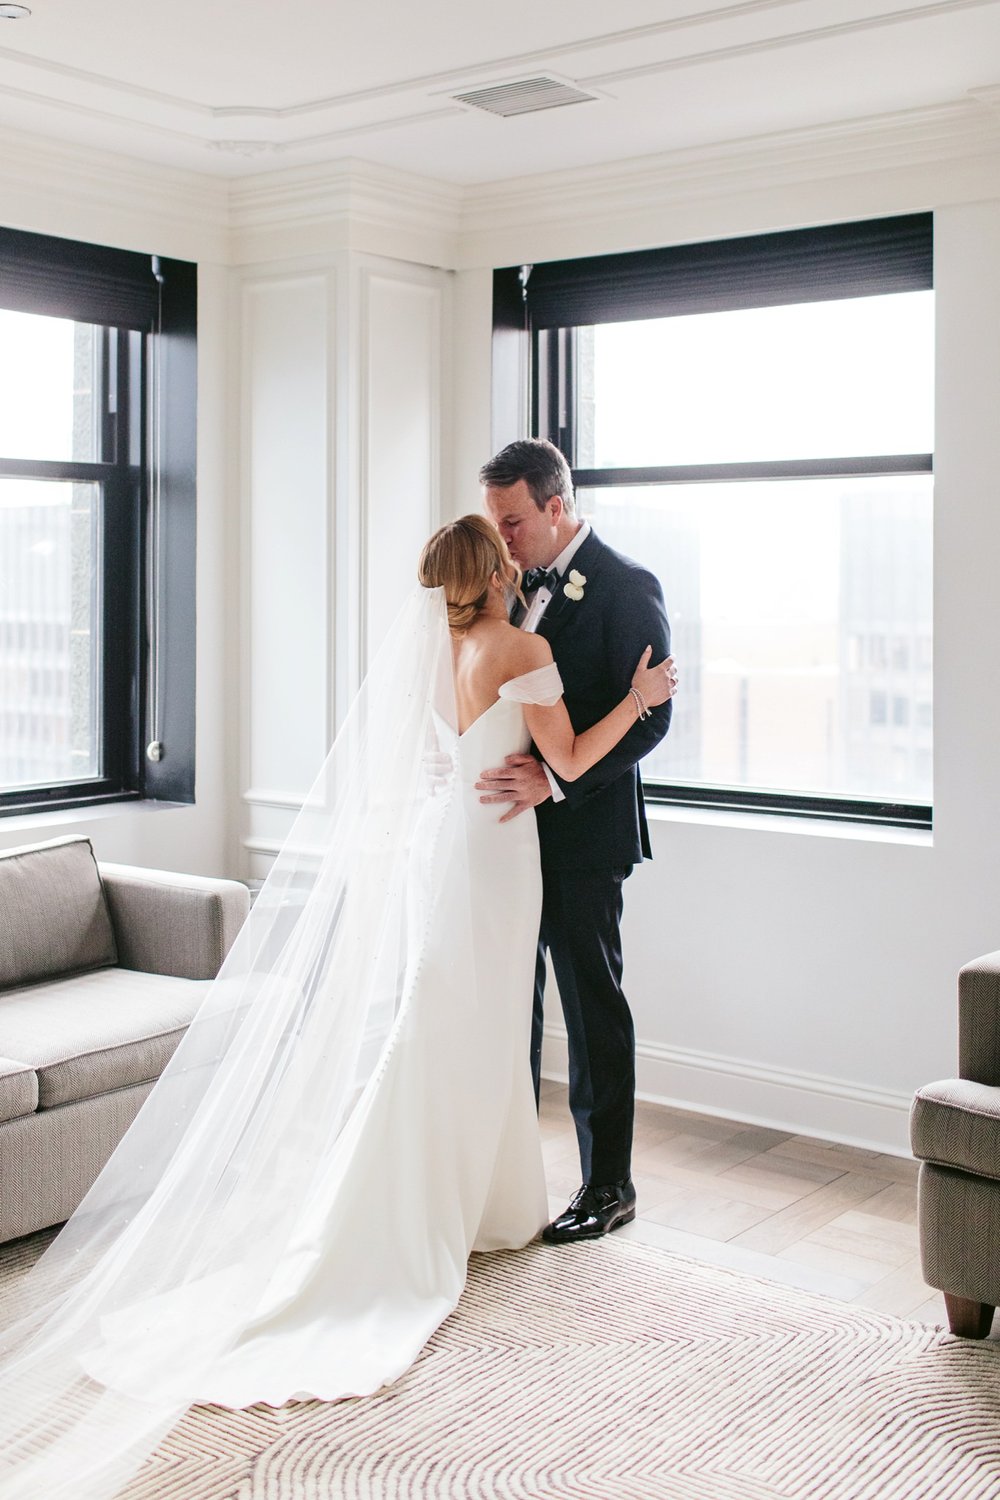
{"points": [[892, 163], [524, 218], [617, 205], [354, 204], [55, 187]]}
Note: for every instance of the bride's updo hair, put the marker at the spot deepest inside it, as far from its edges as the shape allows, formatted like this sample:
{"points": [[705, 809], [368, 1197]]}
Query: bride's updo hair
{"points": [[461, 558]]}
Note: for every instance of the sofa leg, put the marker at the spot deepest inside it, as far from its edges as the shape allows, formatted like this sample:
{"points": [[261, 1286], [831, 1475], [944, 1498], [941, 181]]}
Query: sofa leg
{"points": [[970, 1320]]}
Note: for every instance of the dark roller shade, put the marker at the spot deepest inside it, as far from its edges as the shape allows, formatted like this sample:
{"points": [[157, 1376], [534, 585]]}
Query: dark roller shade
{"points": [[88, 283], [762, 270]]}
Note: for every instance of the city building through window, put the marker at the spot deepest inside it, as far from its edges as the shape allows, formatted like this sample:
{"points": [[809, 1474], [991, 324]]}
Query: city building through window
{"points": [[96, 524]]}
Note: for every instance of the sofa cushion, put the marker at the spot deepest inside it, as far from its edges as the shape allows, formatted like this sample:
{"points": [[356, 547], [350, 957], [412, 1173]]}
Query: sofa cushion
{"points": [[48, 1161], [18, 1089], [53, 915], [956, 1123], [98, 1031]]}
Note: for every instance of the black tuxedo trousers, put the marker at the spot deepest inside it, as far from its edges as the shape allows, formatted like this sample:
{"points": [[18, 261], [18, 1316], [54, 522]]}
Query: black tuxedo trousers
{"points": [[581, 916], [589, 843]]}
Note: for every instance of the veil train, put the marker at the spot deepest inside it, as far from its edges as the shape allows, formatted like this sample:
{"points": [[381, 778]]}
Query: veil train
{"points": [[167, 1260]]}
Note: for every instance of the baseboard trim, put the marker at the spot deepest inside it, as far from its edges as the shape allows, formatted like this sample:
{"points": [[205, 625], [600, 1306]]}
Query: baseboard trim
{"points": [[733, 1089]]}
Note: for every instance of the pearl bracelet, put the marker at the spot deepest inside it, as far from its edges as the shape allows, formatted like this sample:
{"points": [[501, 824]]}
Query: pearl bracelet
{"points": [[640, 703]]}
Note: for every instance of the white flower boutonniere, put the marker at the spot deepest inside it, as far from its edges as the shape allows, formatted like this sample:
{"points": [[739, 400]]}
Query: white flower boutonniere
{"points": [[574, 589]]}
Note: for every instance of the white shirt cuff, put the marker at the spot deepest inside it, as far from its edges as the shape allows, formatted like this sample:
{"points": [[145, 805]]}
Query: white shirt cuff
{"points": [[558, 795]]}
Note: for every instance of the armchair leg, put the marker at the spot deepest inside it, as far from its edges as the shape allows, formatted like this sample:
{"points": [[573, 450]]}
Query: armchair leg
{"points": [[967, 1319]]}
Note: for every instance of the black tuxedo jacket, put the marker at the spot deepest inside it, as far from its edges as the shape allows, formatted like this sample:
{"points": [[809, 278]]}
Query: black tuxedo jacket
{"points": [[597, 642]]}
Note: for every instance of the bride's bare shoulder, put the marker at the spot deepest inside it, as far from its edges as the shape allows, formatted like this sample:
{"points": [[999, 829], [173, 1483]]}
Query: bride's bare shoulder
{"points": [[498, 651], [526, 651]]}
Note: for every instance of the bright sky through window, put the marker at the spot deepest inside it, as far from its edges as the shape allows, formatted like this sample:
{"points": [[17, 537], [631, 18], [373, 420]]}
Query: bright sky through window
{"points": [[801, 606], [36, 386], [815, 380]]}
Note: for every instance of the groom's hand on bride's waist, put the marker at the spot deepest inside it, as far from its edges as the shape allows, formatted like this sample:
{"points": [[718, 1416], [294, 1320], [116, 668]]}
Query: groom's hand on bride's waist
{"points": [[521, 780]]}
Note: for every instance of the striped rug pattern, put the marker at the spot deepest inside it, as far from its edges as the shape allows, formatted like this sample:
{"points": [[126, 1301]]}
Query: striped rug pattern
{"points": [[613, 1371]]}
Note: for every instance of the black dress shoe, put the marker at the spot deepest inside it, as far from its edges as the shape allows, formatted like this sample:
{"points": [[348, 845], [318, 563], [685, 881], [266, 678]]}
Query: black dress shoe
{"points": [[593, 1211]]}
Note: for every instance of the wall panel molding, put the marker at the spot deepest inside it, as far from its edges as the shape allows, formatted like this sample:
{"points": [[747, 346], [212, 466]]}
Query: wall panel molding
{"points": [[286, 570], [403, 397], [263, 798], [257, 845]]}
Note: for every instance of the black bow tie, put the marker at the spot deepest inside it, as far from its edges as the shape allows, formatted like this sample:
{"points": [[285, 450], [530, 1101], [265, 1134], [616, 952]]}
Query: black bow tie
{"points": [[537, 578]]}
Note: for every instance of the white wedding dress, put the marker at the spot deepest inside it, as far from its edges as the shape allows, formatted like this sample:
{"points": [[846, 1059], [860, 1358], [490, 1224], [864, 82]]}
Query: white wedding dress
{"points": [[442, 1156], [349, 1115]]}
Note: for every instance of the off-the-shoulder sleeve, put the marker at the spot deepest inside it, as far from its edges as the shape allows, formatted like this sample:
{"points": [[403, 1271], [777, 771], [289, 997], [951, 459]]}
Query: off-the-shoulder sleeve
{"points": [[543, 685]]}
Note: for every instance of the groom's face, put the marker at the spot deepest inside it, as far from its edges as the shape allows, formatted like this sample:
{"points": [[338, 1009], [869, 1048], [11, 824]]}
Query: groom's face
{"points": [[532, 535]]}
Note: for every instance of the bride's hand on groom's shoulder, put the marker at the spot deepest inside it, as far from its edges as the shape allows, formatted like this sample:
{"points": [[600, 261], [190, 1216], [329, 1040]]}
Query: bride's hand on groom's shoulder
{"points": [[521, 781], [655, 684]]}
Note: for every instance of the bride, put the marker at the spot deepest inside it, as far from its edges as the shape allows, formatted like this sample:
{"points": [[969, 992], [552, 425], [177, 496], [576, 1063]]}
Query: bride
{"points": [[351, 1111]]}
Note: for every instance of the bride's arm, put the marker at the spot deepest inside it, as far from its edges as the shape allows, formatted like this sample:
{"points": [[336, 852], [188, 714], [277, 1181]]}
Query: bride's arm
{"points": [[569, 754]]}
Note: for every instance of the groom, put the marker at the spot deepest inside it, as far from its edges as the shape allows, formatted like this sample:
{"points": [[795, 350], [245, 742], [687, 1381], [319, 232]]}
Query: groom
{"points": [[599, 611]]}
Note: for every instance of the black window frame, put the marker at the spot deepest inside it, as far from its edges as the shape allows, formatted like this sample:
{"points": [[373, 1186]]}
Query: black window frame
{"points": [[536, 309], [145, 307]]}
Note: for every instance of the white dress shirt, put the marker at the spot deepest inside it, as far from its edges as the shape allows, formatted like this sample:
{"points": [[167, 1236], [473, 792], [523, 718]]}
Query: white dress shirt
{"points": [[536, 609], [541, 597]]}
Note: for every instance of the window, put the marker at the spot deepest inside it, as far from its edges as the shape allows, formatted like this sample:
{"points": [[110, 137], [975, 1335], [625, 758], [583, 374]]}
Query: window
{"points": [[753, 419], [96, 524]]}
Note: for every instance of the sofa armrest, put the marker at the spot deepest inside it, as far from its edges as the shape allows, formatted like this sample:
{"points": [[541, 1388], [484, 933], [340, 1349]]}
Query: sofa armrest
{"points": [[979, 1020], [164, 923]]}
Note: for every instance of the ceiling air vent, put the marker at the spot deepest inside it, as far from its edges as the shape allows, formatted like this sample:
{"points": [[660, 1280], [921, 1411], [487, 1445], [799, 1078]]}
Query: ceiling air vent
{"points": [[523, 97]]}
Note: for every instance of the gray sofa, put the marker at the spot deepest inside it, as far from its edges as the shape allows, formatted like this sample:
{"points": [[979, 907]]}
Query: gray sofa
{"points": [[101, 969], [955, 1133]]}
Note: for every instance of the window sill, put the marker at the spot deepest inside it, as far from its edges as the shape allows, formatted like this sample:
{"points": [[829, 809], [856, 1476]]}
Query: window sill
{"points": [[42, 822], [761, 822]]}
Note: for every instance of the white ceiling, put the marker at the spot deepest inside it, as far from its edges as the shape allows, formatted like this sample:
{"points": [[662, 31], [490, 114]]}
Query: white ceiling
{"points": [[234, 87]]}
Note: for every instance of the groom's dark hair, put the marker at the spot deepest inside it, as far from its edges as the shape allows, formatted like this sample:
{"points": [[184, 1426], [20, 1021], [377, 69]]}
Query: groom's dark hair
{"points": [[541, 466]]}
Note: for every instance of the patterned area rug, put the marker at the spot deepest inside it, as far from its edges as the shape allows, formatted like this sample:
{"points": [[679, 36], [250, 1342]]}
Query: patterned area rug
{"points": [[613, 1371]]}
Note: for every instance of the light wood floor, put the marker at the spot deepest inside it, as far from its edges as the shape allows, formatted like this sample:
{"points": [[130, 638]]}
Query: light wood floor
{"points": [[826, 1218]]}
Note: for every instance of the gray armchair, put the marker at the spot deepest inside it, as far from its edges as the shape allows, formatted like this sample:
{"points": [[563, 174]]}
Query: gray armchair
{"points": [[955, 1133]]}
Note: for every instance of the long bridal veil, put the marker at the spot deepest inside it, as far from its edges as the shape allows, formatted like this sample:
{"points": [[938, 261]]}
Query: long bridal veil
{"points": [[166, 1261]]}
